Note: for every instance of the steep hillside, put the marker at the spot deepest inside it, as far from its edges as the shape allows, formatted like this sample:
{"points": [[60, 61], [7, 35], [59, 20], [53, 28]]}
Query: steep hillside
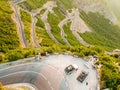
{"points": [[8, 32], [104, 32], [26, 19], [101, 6], [91, 24], [32, 5]]}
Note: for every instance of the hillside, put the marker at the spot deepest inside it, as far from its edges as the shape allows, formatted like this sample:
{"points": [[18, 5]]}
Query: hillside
{"points": [[78, 27], [105, 16], [8, 33], [92, 24]]}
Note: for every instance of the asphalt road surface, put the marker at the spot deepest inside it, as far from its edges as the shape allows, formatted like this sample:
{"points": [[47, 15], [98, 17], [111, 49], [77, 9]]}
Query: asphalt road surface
{"points": [[19, 23], [48, 73]]}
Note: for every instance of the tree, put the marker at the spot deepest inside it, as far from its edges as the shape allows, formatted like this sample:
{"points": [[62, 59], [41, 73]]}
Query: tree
{"points": [[118, 87]]}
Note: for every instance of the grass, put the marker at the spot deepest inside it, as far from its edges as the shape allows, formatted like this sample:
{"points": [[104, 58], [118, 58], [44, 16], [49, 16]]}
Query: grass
{"points": [[42, 11], [8, 33], [65, 4], [40, 22], [54, 21], [43, 38], [59, 14], [26, 19], [70, 37], [104, 33], [32, 4]]}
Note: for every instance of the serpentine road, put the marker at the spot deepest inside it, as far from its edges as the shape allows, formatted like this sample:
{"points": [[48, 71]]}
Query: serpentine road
{"points": [[21, 26], [19, 23], [63, 22], [48, 73], [77, 24], [48, 6], [33, 36]]}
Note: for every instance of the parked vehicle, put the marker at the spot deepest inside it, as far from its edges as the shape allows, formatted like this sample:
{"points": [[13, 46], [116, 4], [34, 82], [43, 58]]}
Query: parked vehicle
{"points": [[69, 69], [82, 76]]}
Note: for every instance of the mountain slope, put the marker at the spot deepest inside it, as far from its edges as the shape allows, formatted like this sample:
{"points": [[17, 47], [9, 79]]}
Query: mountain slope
{"points": [[104, 32], [8, 33], [84, 23], [97, 17]]}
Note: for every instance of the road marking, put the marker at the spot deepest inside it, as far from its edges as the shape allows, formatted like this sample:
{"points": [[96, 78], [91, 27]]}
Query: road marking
{"points": [[20, 65], [31, 72], [50, 65]]}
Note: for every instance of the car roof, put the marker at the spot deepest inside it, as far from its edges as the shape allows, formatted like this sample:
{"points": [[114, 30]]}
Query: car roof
{"points": [[74, 65]]}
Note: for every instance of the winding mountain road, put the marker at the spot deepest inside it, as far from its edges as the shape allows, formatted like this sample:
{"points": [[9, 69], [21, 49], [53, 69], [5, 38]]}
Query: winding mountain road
{"points": [[62, 31], [21, 26], [34, 21], [77, 25], [48, 6], [48, 74], [19, 23]]}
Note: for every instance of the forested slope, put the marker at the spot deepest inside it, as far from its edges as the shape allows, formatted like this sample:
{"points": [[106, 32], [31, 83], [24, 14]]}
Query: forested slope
{"points": [[8, 31]]}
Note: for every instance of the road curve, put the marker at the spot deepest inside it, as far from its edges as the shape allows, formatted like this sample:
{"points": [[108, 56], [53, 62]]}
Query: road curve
{"points": [[62, 31], [48, 6], [19, 23], [22, 86], [48, 73], [76, 25], [34, 21]]}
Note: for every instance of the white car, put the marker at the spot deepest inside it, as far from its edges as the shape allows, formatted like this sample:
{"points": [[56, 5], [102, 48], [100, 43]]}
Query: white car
{"points": [[69, 69]]}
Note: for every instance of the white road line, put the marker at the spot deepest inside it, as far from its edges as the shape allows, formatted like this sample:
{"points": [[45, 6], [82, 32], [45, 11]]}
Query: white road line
{"points": [[20, 65], [31, 72]]}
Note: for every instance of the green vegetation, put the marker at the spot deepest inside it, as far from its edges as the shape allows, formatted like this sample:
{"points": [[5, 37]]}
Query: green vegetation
{"points": [[32, 4], [26, 19], [8, 33], [104, 33], [58, 13], [43, 38], [53, 21], [110, 77], [65, 4], [70, 37], [42, 11], [40, 22], [20, 53]]}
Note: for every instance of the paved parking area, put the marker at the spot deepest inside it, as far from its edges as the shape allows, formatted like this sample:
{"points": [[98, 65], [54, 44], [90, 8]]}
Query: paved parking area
{"points": [[48, 73]]}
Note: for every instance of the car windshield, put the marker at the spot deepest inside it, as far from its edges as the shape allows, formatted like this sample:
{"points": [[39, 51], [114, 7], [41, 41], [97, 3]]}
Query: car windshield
{"points": [[70, 67]]}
